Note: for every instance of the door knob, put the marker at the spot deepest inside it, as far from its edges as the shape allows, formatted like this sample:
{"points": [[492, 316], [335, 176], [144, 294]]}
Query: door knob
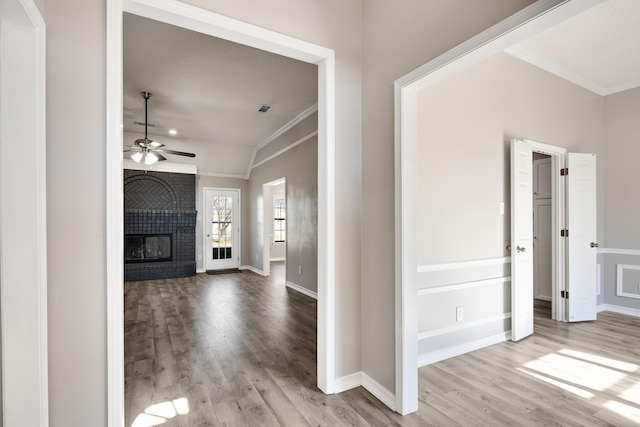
{"points": [[208, 235], [594, 245], [521, 249]]}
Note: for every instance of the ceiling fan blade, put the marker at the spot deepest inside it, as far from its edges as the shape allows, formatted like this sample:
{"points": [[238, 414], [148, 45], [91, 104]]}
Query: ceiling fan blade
{"points": [[160, 157], [177, 153], [155, 144]]}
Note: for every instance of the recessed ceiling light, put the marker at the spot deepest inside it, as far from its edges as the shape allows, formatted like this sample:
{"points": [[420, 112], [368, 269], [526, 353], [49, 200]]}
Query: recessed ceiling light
{"points": [[173, 132]]}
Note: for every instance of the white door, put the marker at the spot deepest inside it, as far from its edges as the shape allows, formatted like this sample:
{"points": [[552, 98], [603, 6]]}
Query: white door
{"points": [[222, 229], [581, 245], [521, 240]]}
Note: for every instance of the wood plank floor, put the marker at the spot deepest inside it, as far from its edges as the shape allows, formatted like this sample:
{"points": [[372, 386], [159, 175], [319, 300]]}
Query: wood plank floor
{"points": [[238, 349]]}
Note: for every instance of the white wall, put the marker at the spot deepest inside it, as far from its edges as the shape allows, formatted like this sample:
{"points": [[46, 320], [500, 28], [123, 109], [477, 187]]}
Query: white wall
{"points": [[465, 125]]}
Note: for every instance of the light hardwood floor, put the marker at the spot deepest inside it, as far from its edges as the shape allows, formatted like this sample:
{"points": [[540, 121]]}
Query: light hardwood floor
{"points": [[238, 349]]}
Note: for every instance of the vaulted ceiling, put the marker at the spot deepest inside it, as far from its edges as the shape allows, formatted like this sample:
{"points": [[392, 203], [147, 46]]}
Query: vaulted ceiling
{"points": [[209, 91], [597, 49]]}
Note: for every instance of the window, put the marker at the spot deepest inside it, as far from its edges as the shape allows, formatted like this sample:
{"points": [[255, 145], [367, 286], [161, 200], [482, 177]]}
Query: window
{"points": [[279, 219]]}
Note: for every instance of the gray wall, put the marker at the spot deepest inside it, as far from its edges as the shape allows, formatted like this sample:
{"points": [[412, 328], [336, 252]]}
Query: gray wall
{"points": [[622, 204], [299, 166], [397, 38], [76, 182], [465, 125]]}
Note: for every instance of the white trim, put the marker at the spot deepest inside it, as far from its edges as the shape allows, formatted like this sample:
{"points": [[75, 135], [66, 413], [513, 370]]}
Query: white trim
{"points": [[302, 290], [447, 353], [457, 265], [634, 252], [540, 61], [200, 270], [378, 390], [251, 268], [635, 312], [191, 17], [462, 325], [221, 175], [299, 118], [161, 167], [553, 67], [620, 268], [277, 259], [25, 384], [361, 379], [348, 382], [540, 15], [461, 286], [285, 149]]}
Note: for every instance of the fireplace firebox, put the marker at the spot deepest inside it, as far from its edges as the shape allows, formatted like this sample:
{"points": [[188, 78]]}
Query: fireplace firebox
{"points": [[147, 248]]}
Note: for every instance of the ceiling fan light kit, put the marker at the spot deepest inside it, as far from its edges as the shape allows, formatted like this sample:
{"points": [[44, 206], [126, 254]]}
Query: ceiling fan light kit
{"points": [[148, 151]]}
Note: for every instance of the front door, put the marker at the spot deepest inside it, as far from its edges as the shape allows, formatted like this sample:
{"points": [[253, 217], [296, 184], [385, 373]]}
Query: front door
{"points": [[222, 228]]}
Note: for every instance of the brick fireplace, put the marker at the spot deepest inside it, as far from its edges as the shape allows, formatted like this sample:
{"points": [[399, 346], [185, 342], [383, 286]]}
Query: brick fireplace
{"points": [[159, 225]]}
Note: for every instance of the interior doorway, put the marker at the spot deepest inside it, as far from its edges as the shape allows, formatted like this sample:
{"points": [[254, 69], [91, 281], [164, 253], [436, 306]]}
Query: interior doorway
{"points": [[190, 17], [542, 221], [274, 229]]}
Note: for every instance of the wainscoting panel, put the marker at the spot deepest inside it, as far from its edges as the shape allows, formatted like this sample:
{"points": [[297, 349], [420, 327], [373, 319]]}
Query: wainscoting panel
{"points": [[462, 306], [620, 280]]}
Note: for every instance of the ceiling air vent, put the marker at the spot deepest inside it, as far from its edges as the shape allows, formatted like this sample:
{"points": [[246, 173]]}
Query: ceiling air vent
{"points": [[264, 108], [151, 125]]}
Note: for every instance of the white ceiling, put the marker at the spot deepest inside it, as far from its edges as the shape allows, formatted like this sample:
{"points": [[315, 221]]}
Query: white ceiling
{"points": [[209, 91], [598, 49]]}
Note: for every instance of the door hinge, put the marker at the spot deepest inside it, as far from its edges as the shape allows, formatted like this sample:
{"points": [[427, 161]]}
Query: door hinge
{"points": [[564, 233], [564, 294], [564, 171]]}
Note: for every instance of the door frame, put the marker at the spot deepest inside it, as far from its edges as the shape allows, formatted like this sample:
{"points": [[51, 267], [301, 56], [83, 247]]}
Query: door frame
{"points": [[558, 157], [531, 20], [267, 220], [23, 220], [204, 21], [237, 220]]}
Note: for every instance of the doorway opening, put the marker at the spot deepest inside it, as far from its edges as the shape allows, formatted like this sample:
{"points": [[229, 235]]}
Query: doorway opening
{"points": [[190, 17], [274, 231]]}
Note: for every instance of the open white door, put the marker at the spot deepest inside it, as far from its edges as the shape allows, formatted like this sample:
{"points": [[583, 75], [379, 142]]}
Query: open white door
{"points": [[521, 240], [581, 245]]}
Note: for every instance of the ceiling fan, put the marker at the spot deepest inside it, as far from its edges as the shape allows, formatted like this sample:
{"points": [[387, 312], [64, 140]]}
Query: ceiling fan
{"points": [[148, 151]]}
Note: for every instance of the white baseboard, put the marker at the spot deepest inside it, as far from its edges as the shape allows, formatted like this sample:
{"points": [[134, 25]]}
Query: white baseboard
{"points": [[358, 379], [277, 259], [251, 268], [302, 290], [348, 382], [619, 309], [200, 270], [436, 356]]}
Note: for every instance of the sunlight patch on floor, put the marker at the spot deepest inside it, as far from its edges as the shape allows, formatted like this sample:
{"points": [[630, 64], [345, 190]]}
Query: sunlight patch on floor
{"points": [[564, 386], [160, 413], [575, 371], [629, 412], [605, 361]]}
